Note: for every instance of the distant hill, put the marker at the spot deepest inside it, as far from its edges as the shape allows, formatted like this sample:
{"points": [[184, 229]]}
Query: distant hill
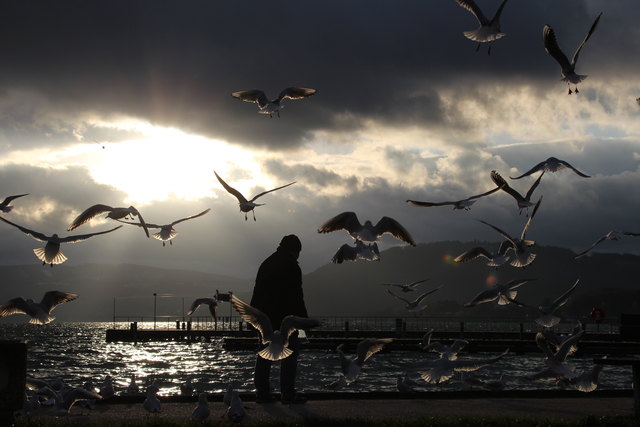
{"points": [[609, 281]]}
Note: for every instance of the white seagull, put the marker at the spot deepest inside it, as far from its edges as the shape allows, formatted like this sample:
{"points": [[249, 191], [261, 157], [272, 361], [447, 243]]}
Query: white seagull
{"points": [[612, 235], [132, 389], [556, 340], [113, 213], [360, 251], [587, 380], [489, 30], [406, 287], [5, 206], [568, 68], [51, 253], [556, 362], [211, 302], [236, 411], [40, 312], [495, 259], [440, 370], [547, 317], [167, 232], [351, 366], [524, 202], [551, 165], [458, 204], [64, 400], [201, 412], [520, 246], [247, 205], [449, 352], [366, 232], [270, 107], [277, 340], [498, 292], [418, 304], [151, 403]]}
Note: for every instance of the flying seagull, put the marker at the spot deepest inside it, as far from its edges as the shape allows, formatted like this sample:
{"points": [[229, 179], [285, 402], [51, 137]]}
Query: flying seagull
{"points": [[406, 287], [551, 165], [440, 370], [489, 30], [547, 318], [612, 235], [459, 204], [270, 107], [360, 251], [498, 292], [524, 202], [247, 205], [211, 302], [556, 362], [113, 213], [368, 232], [568, 68], [495, 259], [449, 352], [50, 253], [277, 340], [167, 232], [5, 206], [418, 304], [520, 246], [40, 312], [351, 366]]}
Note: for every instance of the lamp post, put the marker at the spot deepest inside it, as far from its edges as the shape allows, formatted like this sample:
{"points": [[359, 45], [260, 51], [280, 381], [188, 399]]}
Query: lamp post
{"points": [[155, 304]]}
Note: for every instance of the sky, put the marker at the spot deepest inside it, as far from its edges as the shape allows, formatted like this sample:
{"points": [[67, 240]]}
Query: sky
{"points": [[128, 103]]}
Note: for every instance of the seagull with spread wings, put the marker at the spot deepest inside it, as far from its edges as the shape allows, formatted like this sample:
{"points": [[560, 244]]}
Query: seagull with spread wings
{"points": [[551, 165], [247, 205], [568, 68], [274, 106], [498, 292], [277, 341], [40, 312], [547, 317], [5, 205], [418, 304], [524, 202], [167, 232], [458, 204], [51, 253], [489, 30], [556, 366], [612, 235], [406, 287], [351, 366], [440, 370], [495, 259], [366, 232], [211, 302], [113, 213]]}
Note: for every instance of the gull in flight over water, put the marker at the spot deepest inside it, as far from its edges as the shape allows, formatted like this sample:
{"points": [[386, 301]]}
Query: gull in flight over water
{"points": [[551, 165], [247, 205], [211, 302], [489, 30], [520, 246], [366, 232], [524, 202], [351, 366], [5, 206], [499, 292], [568, 68], [406, 287], [40, 312], [274, 106], [459, 204], [418, 304], [449, 352], [167, 232], [495, 259], [51, 253], [440, 370], [547, 318], [360, 251], [277, 340], [556, 362], [612, 235], [113, 213]]}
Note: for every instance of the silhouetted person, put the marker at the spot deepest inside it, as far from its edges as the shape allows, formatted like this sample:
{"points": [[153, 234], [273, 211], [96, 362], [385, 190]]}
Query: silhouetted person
{"points": [[278, 293]]}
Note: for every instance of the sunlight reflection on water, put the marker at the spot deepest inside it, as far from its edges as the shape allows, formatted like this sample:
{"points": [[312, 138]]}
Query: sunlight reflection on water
{"points": [[77, 352]]}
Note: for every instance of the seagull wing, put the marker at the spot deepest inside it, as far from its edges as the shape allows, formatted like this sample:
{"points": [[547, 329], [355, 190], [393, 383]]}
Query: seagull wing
{"points": [[424, 295], [483, 297], [369, 347], [502, 233], [500, 182], [88, 214], [540, 166], [345, 253], [473, 254], [567, 345], [583, 253], [290, 324], [416, 283], [552, 48], [472, 7], [15, 305], [273, 189], [484, 194], [9, 199], [526, 226], [496, 17], [52, 299], [195, 304], [629, 233], [593, 27], [255, 95], [296, 93], [81, 237], [399, 297], [189, 217], [254, 317], [231, 190], [429, 204], [562, 299], [149, 225], [474, 365], [533, 187], [567, 165], [346, 220], [38, 236], [390, 225]]}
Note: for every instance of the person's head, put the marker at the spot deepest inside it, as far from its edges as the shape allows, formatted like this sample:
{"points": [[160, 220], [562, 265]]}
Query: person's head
{"points": [[291, 244]]}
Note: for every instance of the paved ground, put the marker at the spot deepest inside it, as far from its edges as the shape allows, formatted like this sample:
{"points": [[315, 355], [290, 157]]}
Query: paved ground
{"points": [[377, 409]]}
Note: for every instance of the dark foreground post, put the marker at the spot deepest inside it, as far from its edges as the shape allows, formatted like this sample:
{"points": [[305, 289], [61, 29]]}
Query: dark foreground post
{"points": [[13, 378]]}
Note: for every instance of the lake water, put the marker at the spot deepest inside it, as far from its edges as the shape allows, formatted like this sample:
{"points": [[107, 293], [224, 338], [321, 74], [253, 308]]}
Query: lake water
{"points": [[77, 352]]}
